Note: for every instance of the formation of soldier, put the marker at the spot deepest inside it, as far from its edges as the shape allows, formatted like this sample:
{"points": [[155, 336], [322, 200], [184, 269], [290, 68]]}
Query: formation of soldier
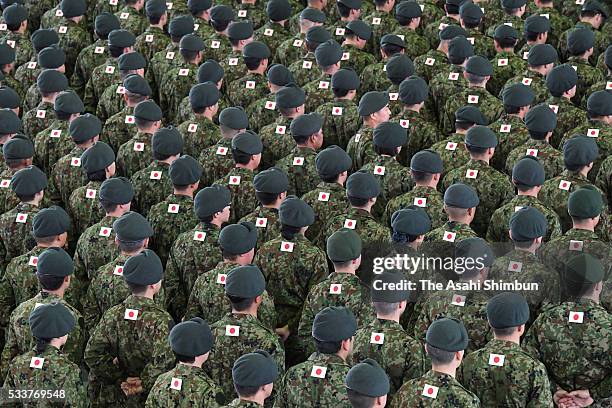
{"points": [[194, 197]]}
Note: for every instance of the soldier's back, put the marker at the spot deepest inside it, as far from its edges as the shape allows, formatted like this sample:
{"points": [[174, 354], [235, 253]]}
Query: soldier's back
{"points": [[437, 390]]}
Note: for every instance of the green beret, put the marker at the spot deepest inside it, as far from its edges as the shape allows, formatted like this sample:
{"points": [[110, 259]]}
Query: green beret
{"points": [[7, 54], [121, 38], [459, 49], [28, 181], [360, 29], [343, 245], [389, 288], [254, 369], [362, 185], [507, 310], [584, 269], [278, 10], [411, 221], [247, 142], [185, 170], [306, 124], [372, 102], [105, 23], [148, 110], [68, 102], [181, 25], [368, 378], [50, 80], [542, 54], [392, 39], [527, 224], [328, 53], [600, 104], [345, 79], [290, 96], [312, 14], [271, 181], [191, 42], [451, 31], [427, 161], [296, 213], [19, 147], [50, 222], [195, 6], [408, 9], [528, 171], [580, 40], [204, 95], [475, 248], [317, 35], [44, 37], [51, 57], [332, 161], [15, 14], [334, 323], [470, 13], [155, 8], [238, 238], [461, 196], [117, 190], [580, 150], [389, 135], [536, 23], [211, 200], [143, 269], [136, 84], [352, 4], [98, 157], [279, 75], [470, 115], [541, 118], [9, 122], [234, 118], [245, 282], [398, 68], [131, 61], [505, 32], [85, 127], [240, 30], [54, 262], [73, 8], [222, 13], [447, 334], [191, 338], [132, 227], [210, 71], [513, 4], [413, 90], [51, 321], [478, 65], [481, 136], [585, 202], [561, 79], [256, 49], [595, 6], [167, 142], [518, 95]]}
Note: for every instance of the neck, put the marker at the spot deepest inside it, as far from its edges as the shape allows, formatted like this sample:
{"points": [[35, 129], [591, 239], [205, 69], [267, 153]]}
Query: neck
{"points": [[530, 193], [445, 369], [515, 338], [584, 227], [256, 399], [245, 166], [58, 292], [250, 312], [529, 250], [430, 184], [186, 193], [349, 271], [464, 221], [217, 222], [191, 364], [481, 159], [146, 295], [593, 297], [275, 205], [393, 318]]}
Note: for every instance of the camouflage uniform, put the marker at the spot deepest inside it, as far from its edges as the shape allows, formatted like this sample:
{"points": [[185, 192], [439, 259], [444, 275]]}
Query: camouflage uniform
{"points": [[248, 89], [119, 128], [422, 133], [461, 231], [216, 161], [151, 41], [318, 92], [489, 105], [599, 46], [111, 101], [8, 198], [394, 180], [233, 66], [451, 394], [291, 50], [300, 168], [536, 81], [84, 206], [15, 229], [27, 73], [603, 136], [88, 59], [38, 119], [448, 81], [511, 132], [129, 160], [361, 147], [339, 125], [505, 65], [22, 45], [72, 41], [261, 112], [151, 186], [569, 117], [102, 76], [419, 44], [327, 200], [176, 83], [253, 12], [132, 20], [268, 229], [452, 152], [240, 183], [304, 70], [272, 34], [551, 158], [604, 178], [431, 201], [67, 175], [374, 77], [198, 133], [161, 63], [51, 144], [357, 59]]}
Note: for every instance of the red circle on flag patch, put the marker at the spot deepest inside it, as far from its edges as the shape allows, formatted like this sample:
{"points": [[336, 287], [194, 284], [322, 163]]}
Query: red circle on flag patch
{"points": [[449, 236], [232, 330], [496, 359], [37, 362], [377, 338], [576, 317], [318, 371], [287, 246], [131, 314], [430, 391], [199, 235]]}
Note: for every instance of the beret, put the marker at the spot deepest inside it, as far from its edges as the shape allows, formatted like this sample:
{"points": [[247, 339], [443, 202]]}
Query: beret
{"points": [[343, 245], [541, 118], [352, 4], [528, 171], [518, 95], [451, 31], [478, 65], [185, 170], [9, 122], [447, 334], [121, 38], [389, 135], [143, 269], [15, 14], [191, 42], [372, 102], [360, 29], [44, 37], [240, 30], [536, 23], [470, 12], [470, 114], [427, 161], [131, 61], [68, 102], [561, 79], [399, 67], [408, 9], [290, 96], [328, 53], [475, 248], [542, 54], [278, 10], [256, 49], [211, 200], [51, 321], [238, 238], [595, 6], [368, 378], [413, 90], [155, 8], [393, 39], [191, 338], [7, 54], [461, 196], [50, 221], [600, 104], [18, 147], [362, 185], [117, 190], [345, 79], [136, 84], [313, 14], [132, 227], [317, 34], [580, 150], [167, 141], [306, 124], [54, 262], [332, 161], [584, 269], [481, 136], [222, 13], [204, 95], [580, 40], [73, 8], [50, 80], [527, 224], [28, 181], [245, 281], [507, 310], [234, 118], [505, 32], [181, 25], [390, 289], [295, 213], [98, 157], [279, 75], [254, 369], [148, 110], [513, 4], [9, 98], [211, 71], [411, 221], [334, 323], [195, 6], [247, 142], [459, 49], [272, 181], [105, 23], [585, 202], [84, 127]]}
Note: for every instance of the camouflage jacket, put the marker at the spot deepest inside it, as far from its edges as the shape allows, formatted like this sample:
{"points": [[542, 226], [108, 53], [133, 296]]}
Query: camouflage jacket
{"points": [[428, 198], [604, 178], [111, 101], [569, 117], [102, 76], [51, 144], [447, 81], [419, 44], [277, 141], [217, 161], [151, 186], [300, 168], [505, 65], [429, 64], [67, 175], [489, 105], [96, 247], [240, 183], [262, 112], [550, 158], [443, 388], [357, 59], [176, 83], [135, 154], [84, 206], [327, 200], [247, 89], [304, 70], [602, 133], [199, 133], [161, 63], [132, 20], [266, 219], [88, 59], [15, 230], [511, 133], [533, 79], [374, 77], [233, 66], [318, 92], [452, 151], [8, 198], [119, 128], [450, 231], [291, 50], [151, 41], [340, 121], [272, 34], [38, 119], [361, 147], [422, 133], [73, 38]]}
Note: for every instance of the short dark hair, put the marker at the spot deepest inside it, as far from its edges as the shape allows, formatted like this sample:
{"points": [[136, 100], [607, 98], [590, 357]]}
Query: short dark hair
{"points": [[154, 19], [327, 347], [341, 265], [136, 289], [14, 163], [158, 156], [246, 391], [357, 202], [359, 400], [184, 359], [329, 179], [130, 246], [240, 157], [506, 42], [50, 282], [439, 356], [451, 8], [13, 27], [115, 51], [289, 232], [134, 97], [340, 93], [537, 135], [421, 176], [189, 55], [385, 150], [505, 332], [474, 79], [239, 303], [577, 291], [522, 244], [404, 21], [230, 256], [25, 198], [266, 198], [143, 123], [400, 238], [300, 140], [476, 150], [252, 63], [61, 115], [107, 206], [511, 109], [99, 175], [531, 35], [385, 308], [219, 25], [343, 10], [574, 167], [469, 24], [46, 240], [460, 125], [392, 49]]}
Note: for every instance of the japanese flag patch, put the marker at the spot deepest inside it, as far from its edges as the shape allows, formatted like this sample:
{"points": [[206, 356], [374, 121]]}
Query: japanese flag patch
{"points": [[335, 288], [497, 359], [430, 391], [323, 196], [286, 246], [318, 371], [105, 231], [458, 300], [21, 218], [234, 180], [173, 208], [350, 224], [576, 317], [221, 277], [130, 314], [377, 338], [449, 236], [37, 362], [576, 245], [118, 270], [261, 222], [420, 202], [232, 331], [199, 236], [514, 266], [176, 384]]}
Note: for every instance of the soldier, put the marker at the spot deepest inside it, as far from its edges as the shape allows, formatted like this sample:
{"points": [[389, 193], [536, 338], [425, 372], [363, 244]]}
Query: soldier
{"points": [[18, 153], [126, 365], [302, 69], [451, 8], [52, 57], [51, 326], [446, 342], [209, 71], [356, 37], [10, 100], [239, 34], [511, 15], [252, 11], [200, 131], [26, 74], [221, 16], [275, 30], [252, 86], [470, 17], [371, 78], [580, 42], [460, 202], [333, 333], [49, 84], [541, 60], [16, 18], [253, 375], [294, 48], [537, 29], [410, 18], [153, 39], [592, 16], [74, 37], [191, 342], [429, 64], [131, 17], [604, 178], [347, 10], [503, 358], [398, 68], [367, 384], [262, 111], [7, 68], [240, 330], [10, 124]]}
